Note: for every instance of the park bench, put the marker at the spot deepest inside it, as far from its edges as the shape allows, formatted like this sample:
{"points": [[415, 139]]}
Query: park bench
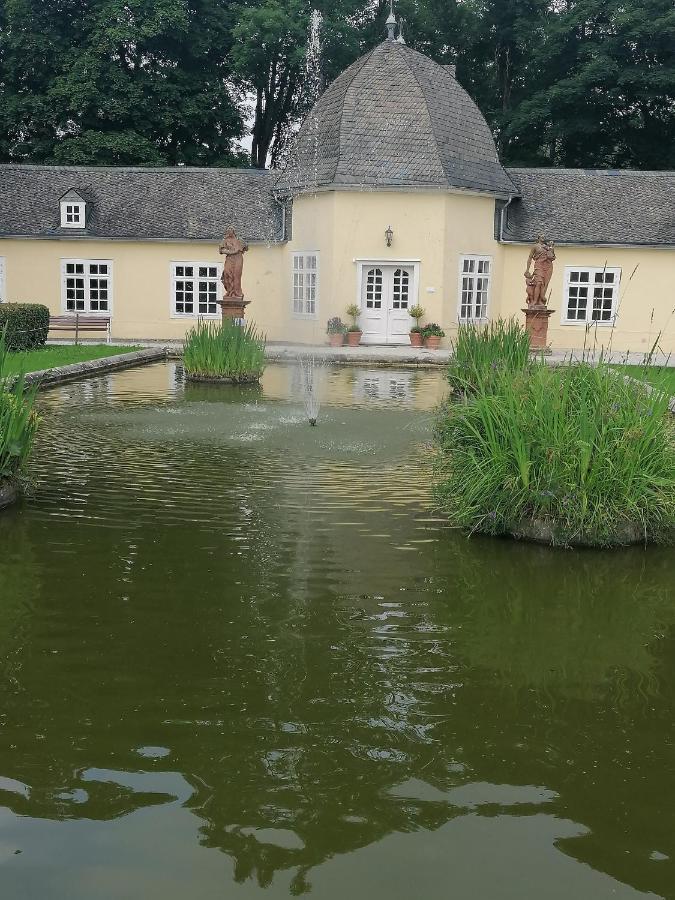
{"points": [[79, 323]]}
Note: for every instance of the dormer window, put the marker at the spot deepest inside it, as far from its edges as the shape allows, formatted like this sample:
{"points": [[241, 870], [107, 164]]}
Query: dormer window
{"points": [[73, 210]]}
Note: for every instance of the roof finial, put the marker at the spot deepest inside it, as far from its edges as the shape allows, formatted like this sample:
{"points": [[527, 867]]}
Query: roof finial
{"points": [[391, 22], [400, 38]]}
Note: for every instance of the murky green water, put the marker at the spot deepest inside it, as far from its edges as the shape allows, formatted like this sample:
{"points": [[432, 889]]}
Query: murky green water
{"points": [[242, 657]]}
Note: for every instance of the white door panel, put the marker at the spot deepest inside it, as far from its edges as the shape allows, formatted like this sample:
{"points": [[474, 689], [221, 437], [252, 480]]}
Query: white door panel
{"points": [[386, 295]]}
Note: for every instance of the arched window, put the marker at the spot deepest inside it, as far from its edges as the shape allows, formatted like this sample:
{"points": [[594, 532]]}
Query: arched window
{"points": [[374, 289], [401, 289]]}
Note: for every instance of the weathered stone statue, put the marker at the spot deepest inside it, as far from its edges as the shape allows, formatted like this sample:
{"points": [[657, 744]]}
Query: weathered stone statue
{"points": [[541, 257], [233, 250]]}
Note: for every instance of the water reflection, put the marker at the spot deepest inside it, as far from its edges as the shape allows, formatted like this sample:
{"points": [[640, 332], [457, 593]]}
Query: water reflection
{"points": [[278, 651]]}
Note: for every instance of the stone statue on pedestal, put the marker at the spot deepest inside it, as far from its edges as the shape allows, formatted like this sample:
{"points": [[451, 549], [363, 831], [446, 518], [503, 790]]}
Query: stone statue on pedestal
{"points": [[541, 257], [233, 250]]}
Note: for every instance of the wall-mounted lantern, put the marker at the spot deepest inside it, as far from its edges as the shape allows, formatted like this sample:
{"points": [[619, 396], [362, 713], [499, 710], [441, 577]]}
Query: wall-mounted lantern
{"points": [[389, 236]]}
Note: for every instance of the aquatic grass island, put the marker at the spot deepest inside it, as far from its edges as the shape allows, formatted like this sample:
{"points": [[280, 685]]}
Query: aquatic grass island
{"points": [[224, 352], [573, 455]]}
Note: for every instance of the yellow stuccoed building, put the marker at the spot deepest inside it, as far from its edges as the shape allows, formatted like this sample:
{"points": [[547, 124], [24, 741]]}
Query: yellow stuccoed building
{"points": [[393, 196]]}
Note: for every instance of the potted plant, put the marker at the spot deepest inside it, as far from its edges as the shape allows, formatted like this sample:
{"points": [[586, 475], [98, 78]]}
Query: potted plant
{"points": [[353, 332], [335, 330], [432, 334], [416, 312]]}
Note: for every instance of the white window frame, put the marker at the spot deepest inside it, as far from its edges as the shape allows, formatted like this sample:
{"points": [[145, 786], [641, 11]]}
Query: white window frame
{"points": [[88, 277], [478, 259], [592, 272], [196, 265], [305, 287], [72, 214], [2, 279]]}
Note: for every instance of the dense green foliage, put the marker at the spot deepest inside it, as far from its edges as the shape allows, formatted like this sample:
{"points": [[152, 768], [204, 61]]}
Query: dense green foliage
{"points": [[26, 325], [224, 350], [18, 421], [482, 353], [59, 355], [577, 449], [116, 82], [572, 83]]}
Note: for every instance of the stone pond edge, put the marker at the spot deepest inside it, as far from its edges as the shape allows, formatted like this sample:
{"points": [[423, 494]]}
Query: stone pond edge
{"points": [[46, 378], [9, 492]]}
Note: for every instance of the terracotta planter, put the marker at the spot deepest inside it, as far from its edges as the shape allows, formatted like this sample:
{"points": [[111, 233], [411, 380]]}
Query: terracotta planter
{"points": [[432, 342], [415, 339], [336, 340], [354, 338]]}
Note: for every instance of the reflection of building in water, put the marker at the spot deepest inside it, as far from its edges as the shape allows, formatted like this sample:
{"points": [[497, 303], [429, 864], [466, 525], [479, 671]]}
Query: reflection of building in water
{"points": [[383, 384]]}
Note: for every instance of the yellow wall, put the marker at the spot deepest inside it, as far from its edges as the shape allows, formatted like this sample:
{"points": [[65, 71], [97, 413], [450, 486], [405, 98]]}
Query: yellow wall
{"points": [[646, 304], [435, 228], [469, 232], [141, 281]]}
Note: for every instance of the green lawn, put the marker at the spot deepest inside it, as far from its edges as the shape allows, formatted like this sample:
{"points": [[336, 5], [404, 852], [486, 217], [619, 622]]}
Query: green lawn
{"points": [[61, 355], [660, 376]]}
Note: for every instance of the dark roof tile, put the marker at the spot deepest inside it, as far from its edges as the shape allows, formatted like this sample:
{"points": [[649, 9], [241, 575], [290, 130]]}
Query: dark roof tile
{"points": [[141, 203], [602, 206]]}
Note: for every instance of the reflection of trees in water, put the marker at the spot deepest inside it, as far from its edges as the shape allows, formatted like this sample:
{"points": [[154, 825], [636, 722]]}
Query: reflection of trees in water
{"points": [[291, 707]]}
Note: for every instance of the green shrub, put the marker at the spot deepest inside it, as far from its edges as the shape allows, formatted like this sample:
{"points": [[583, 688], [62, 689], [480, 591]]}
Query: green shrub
{"points": [[578, 450], [18, 421], [26, 324], [224, 350], [480, 353]]}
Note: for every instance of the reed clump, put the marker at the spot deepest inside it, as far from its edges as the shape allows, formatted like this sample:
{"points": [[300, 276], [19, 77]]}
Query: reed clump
{"points": [[18, 419], [567, 455], [224, 351], [482, 353]]}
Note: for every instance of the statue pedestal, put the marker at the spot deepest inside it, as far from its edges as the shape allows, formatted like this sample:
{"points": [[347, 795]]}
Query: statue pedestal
{"points": [[536, 325], [233, 308]]}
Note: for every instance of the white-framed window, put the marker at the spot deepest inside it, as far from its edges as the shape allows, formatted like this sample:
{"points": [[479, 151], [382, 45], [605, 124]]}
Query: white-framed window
{"points": [[474, 287], [196, 288], [401, 289], [373, 288], [2, 279], [305, 283], [72, 214], [591, 295], [86, 286]]}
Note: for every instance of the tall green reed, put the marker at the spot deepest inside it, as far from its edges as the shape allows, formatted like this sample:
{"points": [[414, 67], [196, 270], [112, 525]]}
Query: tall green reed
{"points": [[18, 420], [224, 350], [481, 353]]}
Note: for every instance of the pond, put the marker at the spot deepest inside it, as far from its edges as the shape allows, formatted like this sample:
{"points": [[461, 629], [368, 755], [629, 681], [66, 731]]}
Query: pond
{"points": [[243, 657]]}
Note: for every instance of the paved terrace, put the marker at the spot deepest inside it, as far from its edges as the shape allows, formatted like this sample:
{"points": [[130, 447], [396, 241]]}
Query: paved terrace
{"points": [[393, 356]]}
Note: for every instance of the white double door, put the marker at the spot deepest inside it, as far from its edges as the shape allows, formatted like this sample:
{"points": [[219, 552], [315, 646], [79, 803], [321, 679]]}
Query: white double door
{"points": [[386, 296]]}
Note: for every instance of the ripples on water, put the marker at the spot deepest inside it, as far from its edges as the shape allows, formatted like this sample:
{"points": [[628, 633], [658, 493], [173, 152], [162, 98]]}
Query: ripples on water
{"points": [[227, 631]]}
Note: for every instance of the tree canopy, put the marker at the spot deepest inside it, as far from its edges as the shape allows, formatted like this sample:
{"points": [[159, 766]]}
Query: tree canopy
{"points": [[587, 83]]}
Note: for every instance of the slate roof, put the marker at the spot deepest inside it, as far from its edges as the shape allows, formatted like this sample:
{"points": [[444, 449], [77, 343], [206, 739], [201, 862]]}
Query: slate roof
{"points": [[395, 118], [141, 203], [601, 206]]}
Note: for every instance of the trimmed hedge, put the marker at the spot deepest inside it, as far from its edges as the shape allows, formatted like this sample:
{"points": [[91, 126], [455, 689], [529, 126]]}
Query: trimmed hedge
{"points": [[27, 325]]}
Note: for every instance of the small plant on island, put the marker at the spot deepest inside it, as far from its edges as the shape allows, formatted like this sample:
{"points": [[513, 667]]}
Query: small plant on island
{"points": [[354, 331], [336, 330], [432, 334], [568, 455], [224, 351], [416, 313], [18, 427]]}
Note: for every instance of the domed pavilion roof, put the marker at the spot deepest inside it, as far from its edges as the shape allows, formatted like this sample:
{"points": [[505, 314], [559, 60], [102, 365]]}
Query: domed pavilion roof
{"points": [[395, 118]]}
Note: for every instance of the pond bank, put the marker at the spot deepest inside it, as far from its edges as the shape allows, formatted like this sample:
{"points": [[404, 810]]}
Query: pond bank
{"points": [[46, 378]]}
